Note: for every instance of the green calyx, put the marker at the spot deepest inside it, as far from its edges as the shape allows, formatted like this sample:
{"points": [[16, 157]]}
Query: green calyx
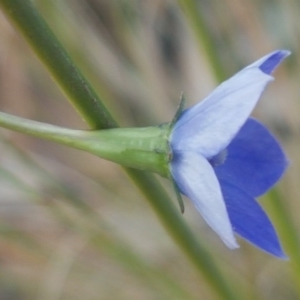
{"points": [[140, 148], [145, 148]]}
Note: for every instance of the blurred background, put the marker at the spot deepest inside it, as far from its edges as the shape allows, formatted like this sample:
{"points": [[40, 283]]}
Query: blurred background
{"points": [[73, 226]]}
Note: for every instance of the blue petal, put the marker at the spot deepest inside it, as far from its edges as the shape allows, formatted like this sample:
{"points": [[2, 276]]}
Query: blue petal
{"points": [[209, 126], [255, 160], [268, 63], [196, 179], [250, 221]]}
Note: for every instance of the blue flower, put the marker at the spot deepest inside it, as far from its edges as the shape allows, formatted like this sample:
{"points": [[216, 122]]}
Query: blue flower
{"points": [[222, 159]]}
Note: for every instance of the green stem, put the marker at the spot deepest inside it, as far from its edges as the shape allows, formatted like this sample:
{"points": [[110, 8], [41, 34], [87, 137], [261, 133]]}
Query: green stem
{"points": [[145, 149], [50, 51], [193, 15], [58, 62], [288, 231]]}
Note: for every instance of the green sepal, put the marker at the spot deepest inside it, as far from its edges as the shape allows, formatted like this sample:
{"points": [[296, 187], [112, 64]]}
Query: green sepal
{"points": [[179, 110], [178, 195], [174, 120]]}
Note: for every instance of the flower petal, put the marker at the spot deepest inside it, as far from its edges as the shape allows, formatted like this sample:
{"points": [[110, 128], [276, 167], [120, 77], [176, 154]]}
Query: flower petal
{"points": [[196, 179], [269, 62], [255, 160], [209, 126], [250, 221]]}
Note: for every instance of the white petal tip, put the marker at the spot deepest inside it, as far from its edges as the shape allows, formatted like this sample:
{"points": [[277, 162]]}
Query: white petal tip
{"points": [[285, 53], [231, 243], [232, 246]]}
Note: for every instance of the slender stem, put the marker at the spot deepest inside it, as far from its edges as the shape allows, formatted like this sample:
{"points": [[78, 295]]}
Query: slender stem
{"points": [[58, 62], [38, 129], [193, 15], [288, 232], [141, 148], [63, 69]]}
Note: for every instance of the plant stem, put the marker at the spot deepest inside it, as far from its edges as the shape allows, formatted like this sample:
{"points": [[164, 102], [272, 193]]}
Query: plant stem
{"points": [[287, 230], [58, 62], [193, 15]]}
